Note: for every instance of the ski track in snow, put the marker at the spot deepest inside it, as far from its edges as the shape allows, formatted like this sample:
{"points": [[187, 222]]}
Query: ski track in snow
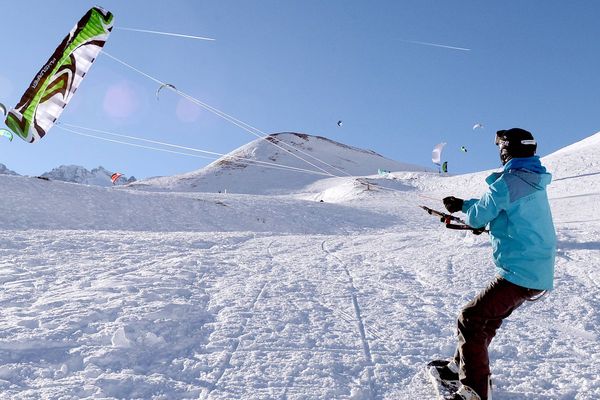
{"points": [[359, 320], [236, 341]]}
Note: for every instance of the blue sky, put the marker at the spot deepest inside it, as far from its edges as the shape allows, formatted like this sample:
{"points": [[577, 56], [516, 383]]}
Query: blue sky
{"points": [[302, 66]]}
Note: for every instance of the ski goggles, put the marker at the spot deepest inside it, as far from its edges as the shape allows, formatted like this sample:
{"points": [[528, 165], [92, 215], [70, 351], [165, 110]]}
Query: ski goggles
{"points": [[503, 142]]}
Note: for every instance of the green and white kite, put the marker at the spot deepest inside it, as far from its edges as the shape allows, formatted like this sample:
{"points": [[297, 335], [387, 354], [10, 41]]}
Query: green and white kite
{"points": [[57, 81]]}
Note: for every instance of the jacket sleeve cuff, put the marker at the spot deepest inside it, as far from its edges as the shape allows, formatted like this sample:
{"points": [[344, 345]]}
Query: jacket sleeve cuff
{"points": [[467, 204]]}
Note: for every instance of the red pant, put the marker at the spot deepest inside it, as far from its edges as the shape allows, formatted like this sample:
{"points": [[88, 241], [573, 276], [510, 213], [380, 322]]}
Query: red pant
{"points": [[477, 325]]}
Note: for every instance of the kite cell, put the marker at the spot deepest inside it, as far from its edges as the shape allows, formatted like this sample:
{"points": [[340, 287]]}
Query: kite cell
{"points": [[57, 81], [162, 86]]}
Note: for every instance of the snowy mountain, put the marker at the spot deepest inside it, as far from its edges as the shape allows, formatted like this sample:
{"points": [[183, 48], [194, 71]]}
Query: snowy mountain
{"points": [[281, 163], [117, 293], [77, 174], [5, 171]]}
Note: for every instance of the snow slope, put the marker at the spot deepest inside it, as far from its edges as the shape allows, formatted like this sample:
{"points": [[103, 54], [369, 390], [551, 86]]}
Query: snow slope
{"points": [[125, 294]]}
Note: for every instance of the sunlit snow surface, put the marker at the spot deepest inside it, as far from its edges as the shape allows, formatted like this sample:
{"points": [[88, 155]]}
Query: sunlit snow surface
{"points": [[120, 293]]}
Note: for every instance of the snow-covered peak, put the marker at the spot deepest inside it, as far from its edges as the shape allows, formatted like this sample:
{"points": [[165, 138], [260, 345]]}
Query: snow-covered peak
{"points": [[5, 171], [78, 174], [280, 163]]}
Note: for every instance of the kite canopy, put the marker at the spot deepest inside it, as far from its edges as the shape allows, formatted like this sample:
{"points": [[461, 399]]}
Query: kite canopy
{"points": [[340, 123], [114, 177], [162, 86], [436, 155], [57, 81], [478, 126], [3, 108]]}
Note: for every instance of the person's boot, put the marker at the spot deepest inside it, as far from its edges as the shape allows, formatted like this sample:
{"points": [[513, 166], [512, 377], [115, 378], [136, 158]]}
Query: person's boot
{"points": [[446, 369], [465, 393]]}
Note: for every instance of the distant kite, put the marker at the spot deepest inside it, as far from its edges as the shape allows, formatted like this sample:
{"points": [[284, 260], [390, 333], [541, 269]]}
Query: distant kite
{"points": [[445, 167], [463, 149], [3, 108], [115, 177], [478, 126], [162, 86], [436, 154], [340, 123]]}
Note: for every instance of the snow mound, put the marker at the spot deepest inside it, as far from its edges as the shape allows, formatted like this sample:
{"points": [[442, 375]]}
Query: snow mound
{"points": [[31, 203]]}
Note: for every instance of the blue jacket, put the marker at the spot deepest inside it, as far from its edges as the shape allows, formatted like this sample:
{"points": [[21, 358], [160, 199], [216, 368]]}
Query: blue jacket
{"points": [[520, 222]]}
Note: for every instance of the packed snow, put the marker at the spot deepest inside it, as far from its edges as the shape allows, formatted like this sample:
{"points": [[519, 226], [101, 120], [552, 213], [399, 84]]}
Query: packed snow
{"points": [[291, 286]]}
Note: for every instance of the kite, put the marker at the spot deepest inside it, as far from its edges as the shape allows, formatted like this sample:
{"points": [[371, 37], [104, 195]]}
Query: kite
{"points": [[340, 123], [114, 177], [445, 167], [6, 133], [57, 81], [3, 108], [478, 126], [162, 86], [436, 154], [463, 149]]}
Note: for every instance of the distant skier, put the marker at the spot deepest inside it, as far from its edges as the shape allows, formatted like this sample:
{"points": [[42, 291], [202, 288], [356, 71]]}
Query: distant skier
{"points": [[524, 246]]}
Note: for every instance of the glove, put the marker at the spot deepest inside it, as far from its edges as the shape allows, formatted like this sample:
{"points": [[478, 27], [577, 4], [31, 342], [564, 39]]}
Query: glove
{"points": [[453, 204]]}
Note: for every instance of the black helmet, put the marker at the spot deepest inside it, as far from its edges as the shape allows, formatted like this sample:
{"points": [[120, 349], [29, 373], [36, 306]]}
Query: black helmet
{"points": [[515, 143]]}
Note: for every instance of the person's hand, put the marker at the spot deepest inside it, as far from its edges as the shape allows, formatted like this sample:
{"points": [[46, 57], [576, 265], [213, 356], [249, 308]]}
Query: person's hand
{"points": [[453, 204], [478, 231]]}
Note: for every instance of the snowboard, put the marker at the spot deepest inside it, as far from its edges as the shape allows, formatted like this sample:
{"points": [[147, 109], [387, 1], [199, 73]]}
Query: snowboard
{"points": [[444, 389]]}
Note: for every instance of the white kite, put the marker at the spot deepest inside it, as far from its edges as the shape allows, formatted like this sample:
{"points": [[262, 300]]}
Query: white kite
{"points": [[436, 155]]}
